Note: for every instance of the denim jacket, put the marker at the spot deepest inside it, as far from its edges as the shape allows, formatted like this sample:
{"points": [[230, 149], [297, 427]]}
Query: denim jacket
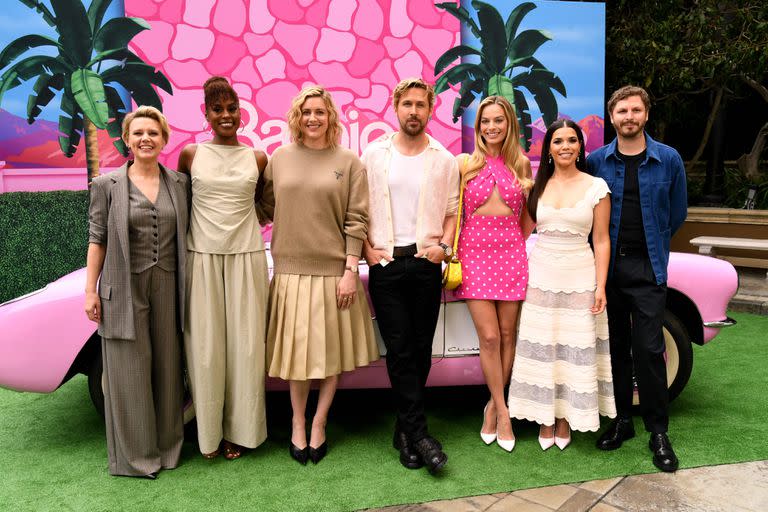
{"points": [[663, 197]]}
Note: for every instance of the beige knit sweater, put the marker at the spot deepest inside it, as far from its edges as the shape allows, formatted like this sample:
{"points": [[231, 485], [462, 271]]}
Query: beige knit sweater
{"points": [[318, 202]]}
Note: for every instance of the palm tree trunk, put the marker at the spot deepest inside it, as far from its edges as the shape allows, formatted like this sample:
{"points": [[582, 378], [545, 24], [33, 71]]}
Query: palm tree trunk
{"points": [[91, 148]]}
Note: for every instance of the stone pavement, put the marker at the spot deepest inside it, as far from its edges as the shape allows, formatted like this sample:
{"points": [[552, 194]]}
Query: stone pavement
{"points": [[752, 295], [731, 487]]}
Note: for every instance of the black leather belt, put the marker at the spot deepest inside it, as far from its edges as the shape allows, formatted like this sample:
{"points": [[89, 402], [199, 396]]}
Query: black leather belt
{"points": [[406, 250]]}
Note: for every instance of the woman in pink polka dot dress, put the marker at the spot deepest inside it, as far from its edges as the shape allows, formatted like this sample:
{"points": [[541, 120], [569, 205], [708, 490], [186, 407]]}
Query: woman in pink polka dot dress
{"points": [[494, 226]]}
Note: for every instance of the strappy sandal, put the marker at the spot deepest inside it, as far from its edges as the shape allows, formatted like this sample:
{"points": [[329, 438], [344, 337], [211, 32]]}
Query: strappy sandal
{"points": [[212, 455], [231, 450]]}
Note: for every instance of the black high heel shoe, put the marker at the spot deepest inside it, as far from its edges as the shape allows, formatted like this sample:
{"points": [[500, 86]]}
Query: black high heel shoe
{"points": [[317, 454], [300, 455]]}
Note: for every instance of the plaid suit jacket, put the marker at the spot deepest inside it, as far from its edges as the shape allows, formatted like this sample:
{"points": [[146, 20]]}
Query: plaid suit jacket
{"points": [[108, 226]]}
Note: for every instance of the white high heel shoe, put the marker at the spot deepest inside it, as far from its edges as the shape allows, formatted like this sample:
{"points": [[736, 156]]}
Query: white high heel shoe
{"points": [[562, 442], [487, 438], [506, 444], [546, 442]]}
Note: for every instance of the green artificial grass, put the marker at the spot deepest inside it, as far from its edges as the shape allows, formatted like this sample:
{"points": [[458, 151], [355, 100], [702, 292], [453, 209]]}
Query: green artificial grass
{"points": [[53, 454]]}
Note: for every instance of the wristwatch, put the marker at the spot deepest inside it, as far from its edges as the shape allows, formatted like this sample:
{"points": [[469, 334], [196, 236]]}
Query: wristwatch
{"points": [[352, 268], [447, 249]]}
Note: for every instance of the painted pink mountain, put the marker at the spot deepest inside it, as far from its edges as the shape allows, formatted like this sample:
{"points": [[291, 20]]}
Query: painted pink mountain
{"points": [[33, 145]]}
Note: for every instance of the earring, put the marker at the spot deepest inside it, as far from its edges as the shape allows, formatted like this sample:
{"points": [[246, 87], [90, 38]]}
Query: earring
{"points": [[551, 161], [207, 127], [242, 126], [578, 158]]}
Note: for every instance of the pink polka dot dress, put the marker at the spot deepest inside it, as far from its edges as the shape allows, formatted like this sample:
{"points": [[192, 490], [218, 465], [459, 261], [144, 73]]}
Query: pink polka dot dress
{"points": [[491, 248]]}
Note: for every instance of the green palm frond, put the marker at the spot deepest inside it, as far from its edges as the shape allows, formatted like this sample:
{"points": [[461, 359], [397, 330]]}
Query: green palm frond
{"points": [[461, 14], [138, 78], [74, 31], [469, 90], [45, 89], [524, 119], [455, 53], [527, 42], [514, 19], [96, 12], [492, 35], [500, 85], [23, 44], [123, 55], [40, 7], [28, 68], [88, 90], [459, 73], [540, 83], [70, 124], [117, 111], [117, 32]]}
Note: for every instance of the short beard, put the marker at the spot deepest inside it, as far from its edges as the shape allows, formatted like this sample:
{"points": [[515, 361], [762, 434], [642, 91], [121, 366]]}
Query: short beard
{"points": [[638, 133], [411, 132]]}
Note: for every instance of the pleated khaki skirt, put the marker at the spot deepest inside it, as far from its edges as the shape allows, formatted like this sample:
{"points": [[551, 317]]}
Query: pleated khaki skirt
{"points": [[309, 337]]}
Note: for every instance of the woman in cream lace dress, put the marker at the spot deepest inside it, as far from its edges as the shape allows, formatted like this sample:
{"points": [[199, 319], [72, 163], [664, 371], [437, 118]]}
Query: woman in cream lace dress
{"points": [[561, 376]]}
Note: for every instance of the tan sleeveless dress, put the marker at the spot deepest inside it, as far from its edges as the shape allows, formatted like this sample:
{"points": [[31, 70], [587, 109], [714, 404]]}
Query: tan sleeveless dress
{"points": [[227, 293]]}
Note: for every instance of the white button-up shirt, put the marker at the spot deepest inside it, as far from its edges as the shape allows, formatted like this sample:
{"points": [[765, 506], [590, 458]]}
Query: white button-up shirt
{"points": [[438, 194]]}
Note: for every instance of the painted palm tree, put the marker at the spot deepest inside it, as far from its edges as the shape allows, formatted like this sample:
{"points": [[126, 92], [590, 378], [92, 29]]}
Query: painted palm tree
{"points": [[503, 53], [89, 99]]}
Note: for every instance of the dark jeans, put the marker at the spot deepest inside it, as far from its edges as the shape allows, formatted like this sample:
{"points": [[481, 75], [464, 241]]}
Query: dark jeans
{"points": [[406, 298], [635, 317]]}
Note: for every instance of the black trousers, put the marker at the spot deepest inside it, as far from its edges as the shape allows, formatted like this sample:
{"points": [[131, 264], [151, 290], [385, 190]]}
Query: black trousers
{"points": [[635, 317], [406, 297]]}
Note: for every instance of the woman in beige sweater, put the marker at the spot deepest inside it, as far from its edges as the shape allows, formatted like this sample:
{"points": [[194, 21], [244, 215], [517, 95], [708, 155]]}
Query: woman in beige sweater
{"points": [[316, 193]]}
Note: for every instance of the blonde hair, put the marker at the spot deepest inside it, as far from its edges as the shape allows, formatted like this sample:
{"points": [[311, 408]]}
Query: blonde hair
{"points": [[410, 83], [150, 113], [511, 152], [333, 134]]}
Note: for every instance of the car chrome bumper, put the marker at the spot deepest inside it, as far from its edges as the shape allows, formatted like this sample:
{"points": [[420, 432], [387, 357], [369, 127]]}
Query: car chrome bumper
{"points": [[721, 323]]}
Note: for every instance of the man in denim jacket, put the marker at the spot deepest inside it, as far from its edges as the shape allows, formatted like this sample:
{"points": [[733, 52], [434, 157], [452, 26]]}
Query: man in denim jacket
{"points": [[648, 204]]}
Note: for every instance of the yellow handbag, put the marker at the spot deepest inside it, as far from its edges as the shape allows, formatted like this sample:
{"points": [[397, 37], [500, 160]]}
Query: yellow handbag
{"points": [[452, 272]]}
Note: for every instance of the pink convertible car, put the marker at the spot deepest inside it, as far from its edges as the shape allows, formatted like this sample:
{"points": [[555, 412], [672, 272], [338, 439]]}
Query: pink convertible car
{"points": [[45, 337]]}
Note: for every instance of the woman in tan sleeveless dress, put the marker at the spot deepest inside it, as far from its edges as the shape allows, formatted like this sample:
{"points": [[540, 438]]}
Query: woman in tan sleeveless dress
{"points": [[227, 283]]}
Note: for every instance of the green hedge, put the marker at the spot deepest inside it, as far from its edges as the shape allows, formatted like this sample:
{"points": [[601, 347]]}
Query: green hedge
{"points": [[43, 236]]}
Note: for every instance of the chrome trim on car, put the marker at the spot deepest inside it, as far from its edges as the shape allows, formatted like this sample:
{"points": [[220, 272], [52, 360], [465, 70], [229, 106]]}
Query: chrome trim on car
{"points": [[721, 323], [17, 299]]}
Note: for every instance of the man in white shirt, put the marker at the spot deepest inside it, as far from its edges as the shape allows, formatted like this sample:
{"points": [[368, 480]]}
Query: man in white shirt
{"points": [[414, 189]]}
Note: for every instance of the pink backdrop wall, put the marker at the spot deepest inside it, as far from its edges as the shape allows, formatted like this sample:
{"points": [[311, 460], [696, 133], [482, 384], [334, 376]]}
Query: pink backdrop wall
{"points": [[270, 49]]}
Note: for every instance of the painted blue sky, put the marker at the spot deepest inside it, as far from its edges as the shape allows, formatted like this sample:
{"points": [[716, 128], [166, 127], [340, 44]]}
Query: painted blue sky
{"points": [[576, 52], [16, 20]]}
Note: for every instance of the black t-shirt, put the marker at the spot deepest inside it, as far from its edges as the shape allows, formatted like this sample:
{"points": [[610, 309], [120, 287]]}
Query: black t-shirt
{"points": [[631, 231]]}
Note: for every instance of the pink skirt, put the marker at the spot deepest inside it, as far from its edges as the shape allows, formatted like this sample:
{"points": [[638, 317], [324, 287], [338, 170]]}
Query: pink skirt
{"points": [[494, 263]]}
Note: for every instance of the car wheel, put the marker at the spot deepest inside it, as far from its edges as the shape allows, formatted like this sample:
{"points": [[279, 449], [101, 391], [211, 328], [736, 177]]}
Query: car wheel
{"points": [[95, 372], [678, 355]]}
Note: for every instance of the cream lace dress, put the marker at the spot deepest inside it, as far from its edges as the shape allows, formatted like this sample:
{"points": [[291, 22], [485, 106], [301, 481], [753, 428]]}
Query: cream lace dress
{"points": [[562, 365]]}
